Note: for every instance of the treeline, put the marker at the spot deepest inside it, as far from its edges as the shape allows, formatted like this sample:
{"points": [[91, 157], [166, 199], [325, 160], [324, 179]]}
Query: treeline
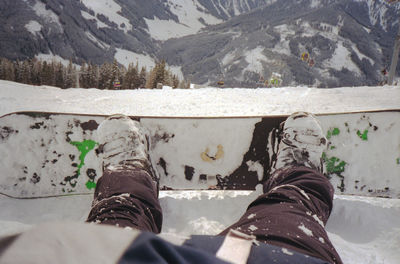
{"points": [[106, 76]]}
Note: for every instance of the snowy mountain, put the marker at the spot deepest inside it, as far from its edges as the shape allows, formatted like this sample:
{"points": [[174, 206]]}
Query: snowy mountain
{"points": [[350, 42], [237, 41], [102, 30]]}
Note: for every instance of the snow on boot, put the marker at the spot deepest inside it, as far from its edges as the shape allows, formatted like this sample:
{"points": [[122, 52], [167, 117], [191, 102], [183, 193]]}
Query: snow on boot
{"points": [[301, 143], [124, 144]]}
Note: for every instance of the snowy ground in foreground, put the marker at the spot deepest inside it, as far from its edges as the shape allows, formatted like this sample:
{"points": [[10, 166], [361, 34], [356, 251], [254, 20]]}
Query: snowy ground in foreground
{"points": [[364, 230], [196, 102]]}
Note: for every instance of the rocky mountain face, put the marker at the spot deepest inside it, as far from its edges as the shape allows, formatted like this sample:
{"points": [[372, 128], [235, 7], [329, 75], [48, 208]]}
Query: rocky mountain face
{"points": [[237, 41], [349, 41], [86, 30]]}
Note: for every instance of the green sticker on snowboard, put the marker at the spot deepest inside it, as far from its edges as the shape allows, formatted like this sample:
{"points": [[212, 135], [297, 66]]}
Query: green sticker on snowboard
{"points": [[84, 148]]}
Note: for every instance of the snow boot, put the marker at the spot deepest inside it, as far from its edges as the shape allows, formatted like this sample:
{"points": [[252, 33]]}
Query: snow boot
{"points": [[124, 145], [299, 142]]}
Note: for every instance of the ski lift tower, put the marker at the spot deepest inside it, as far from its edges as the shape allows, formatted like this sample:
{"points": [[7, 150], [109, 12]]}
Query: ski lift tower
{"points": [[396, 50]]}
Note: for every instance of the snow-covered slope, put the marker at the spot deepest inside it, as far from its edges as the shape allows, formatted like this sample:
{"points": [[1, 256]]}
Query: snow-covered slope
{"points": [[207, 102], [364, 230], [349, 41], [237, 41], [99, 31]]}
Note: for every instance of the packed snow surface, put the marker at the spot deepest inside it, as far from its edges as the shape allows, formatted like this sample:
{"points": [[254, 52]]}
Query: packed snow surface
{"points": [[363, 229], [206, 102]]}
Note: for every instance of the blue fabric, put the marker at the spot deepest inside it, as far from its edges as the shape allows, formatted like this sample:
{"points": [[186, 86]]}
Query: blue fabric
{"points": [[148, 248], [262, 253]]}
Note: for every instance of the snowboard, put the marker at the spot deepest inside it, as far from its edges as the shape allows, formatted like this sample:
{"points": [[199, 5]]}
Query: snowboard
{"points": [[55, 154]]}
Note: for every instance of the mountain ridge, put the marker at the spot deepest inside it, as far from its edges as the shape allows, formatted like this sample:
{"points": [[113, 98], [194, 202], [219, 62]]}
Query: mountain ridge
{"points": [[144, 32]]}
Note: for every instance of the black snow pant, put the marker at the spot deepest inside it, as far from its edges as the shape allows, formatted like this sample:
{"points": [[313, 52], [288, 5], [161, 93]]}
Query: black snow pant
{"points": [[291, 213]]}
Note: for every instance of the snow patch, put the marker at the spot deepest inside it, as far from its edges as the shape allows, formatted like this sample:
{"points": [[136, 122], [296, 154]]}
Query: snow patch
{"points": [[177, 70], [111, 10], [228, 58], [251, 216], [51, 57], [204, 226], [306, 231], [95, 40], [189, 20], [190, 13], [304, 194], [316, 218], [362, 56], [287, 252], [341, 59], [48, 15], [252, 228], [166, 29], [33, 27], [255, 58], [315, 3], [126, 57], [257, 167], [88, 16], [282, 47]]}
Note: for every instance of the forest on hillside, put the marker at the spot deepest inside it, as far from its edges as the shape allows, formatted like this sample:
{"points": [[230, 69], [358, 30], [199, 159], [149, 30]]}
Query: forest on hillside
{"points": [[106, 76]]}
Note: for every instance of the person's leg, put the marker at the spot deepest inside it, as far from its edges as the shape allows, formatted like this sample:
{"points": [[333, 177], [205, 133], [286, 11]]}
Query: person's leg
{"points": [[127, 193], [127, 199], [292, 213], [297, 199]]}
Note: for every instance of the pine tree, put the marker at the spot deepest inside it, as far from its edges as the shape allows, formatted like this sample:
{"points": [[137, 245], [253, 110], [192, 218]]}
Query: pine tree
{"points": [[25, 72], [142, 78], [36, 66], [69, 76], [175, 81], [115, 73], [2, 69], [83, 76], [131, 78], [157, 75], [10, 71], [92, 76], [106, 75], [17, 71], [59, 75]]}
